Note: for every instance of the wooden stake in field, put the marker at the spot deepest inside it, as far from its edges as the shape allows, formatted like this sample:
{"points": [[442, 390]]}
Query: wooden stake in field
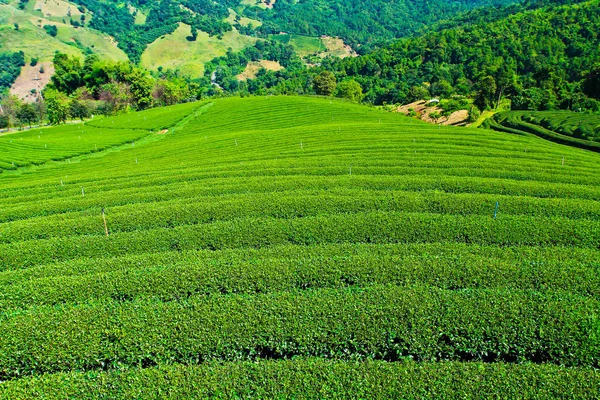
{"points": [[104, 219], [563, 160], [82, 192]]}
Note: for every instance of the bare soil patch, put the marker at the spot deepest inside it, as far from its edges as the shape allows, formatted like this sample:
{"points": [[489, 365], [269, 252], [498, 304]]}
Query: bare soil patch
{"points": [[253, 67], [425, 111], [31, 79]]}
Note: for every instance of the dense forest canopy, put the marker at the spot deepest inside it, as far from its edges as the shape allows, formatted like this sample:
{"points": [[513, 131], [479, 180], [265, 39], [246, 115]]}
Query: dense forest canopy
{"points": [[541, 58], [361, 22]]}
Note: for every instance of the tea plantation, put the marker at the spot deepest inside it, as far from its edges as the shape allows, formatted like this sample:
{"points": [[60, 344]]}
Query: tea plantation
{"points": [[565, 127], [290, 247]]}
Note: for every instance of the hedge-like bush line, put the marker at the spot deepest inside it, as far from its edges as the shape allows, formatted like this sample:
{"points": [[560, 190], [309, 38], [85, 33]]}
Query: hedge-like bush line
{"points": [[316, 378], [380, 322], [179, 275]]}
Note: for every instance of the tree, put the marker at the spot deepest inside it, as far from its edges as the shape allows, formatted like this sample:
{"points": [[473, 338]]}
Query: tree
{"points": [[486, 92], [57, 105], [350, 89], [67, 77], [140, 88], [442, 88], [505, 79], [417, 93], [16, 26], [591, 84], [27, 114], [79, 109], [324, 83], [4, 121], [51, 30], [193, 34]]}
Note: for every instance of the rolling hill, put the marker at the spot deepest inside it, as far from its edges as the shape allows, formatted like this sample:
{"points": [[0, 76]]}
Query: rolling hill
{"points": [[296, 247]]}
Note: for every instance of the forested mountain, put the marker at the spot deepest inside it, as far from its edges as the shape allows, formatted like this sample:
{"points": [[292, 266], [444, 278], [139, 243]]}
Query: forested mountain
{"points": [[361, 22], [542, 59], [358, 22]]}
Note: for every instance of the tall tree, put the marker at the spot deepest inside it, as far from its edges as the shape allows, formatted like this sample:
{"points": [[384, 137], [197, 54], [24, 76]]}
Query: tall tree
{"points": [[324, 83]]}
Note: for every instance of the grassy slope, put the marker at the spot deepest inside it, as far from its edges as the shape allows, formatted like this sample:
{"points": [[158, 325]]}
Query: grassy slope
{"points": [[231, 216], [32, 39], [174, 50]]}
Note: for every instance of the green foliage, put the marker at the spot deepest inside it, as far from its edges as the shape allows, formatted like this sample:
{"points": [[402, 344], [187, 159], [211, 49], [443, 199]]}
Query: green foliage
{"points": [[27, 114], [350, 89], [486, 92], [305, 378], [324, 83], [10, 68], [535, 56], [277, 246], [359, 22], [591, 85], [57, 104]]}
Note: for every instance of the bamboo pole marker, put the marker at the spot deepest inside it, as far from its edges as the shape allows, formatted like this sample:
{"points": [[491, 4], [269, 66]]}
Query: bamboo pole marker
{"points": [[104, 219], [563, 160], [61, 183], [82, 192]]}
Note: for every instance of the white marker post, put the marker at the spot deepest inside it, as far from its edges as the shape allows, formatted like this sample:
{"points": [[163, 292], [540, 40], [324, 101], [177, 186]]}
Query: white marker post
{"points": [[104, 219]]}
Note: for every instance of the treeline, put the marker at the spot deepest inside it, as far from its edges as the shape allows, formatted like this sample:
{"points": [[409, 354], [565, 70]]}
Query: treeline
{"points": [[81, 88]]}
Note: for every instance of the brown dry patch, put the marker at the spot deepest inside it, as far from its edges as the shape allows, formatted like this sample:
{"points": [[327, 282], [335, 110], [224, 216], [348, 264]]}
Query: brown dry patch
{"points": [[30, 79], [457, 118], [337, 47], [424, 112], [253, 67], [259, 3], [57, 8]]}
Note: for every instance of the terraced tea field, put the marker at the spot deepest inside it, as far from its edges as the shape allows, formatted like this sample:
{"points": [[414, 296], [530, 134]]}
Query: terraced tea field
{"points": [[564, 127], [289, 247]]}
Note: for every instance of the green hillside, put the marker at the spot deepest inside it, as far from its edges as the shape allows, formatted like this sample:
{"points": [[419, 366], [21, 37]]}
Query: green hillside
{"points": [[294, 247], [34, 41]]}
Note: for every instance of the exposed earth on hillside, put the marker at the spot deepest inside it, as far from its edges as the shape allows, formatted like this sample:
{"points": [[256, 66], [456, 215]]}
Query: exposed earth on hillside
{"points": [[30, 80], [426, 111]]}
